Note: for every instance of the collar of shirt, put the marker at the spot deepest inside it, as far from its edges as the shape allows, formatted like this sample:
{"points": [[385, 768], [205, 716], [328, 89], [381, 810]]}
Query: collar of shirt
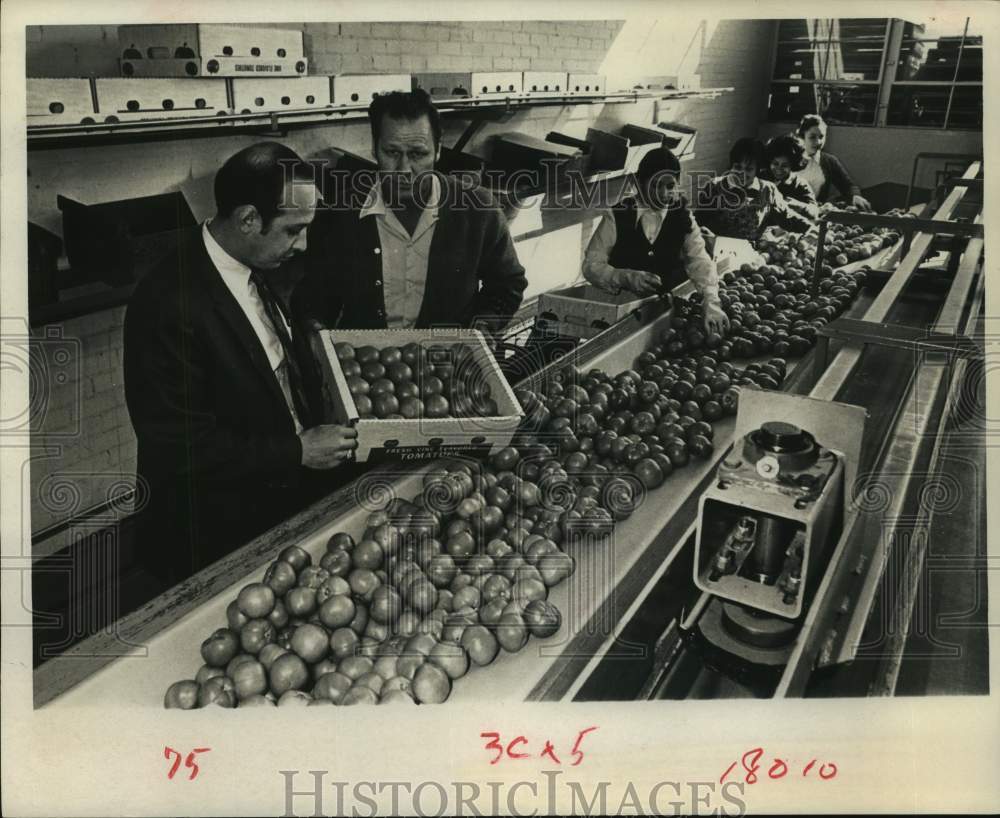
{"points": [[375, 206], [236, 277], [814, 159], [650, 220], [233, 272]]}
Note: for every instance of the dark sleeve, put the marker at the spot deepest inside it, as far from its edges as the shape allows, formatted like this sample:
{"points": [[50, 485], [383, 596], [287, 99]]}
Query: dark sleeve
{"points": [[840, 178], [316, 296], [501, 276], [782, 215], [170, 391]]}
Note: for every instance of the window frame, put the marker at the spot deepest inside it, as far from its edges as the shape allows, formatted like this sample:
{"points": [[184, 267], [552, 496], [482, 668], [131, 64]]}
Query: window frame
{"points": [[892, 44]]}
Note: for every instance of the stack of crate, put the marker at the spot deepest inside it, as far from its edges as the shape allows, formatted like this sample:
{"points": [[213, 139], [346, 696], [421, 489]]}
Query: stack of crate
{"points": [[191, 69]]}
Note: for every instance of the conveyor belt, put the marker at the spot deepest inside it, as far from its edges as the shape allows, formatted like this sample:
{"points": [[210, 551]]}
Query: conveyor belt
{"points": [[686, 672], [171, 629], [684, 664]]}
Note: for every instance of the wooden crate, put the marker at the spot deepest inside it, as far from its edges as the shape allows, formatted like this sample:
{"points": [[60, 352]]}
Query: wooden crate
{"points": [[420, 438]]}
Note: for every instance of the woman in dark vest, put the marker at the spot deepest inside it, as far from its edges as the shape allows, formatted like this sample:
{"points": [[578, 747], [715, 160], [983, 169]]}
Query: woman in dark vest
{"points": [[784, 157], [651, 243]]}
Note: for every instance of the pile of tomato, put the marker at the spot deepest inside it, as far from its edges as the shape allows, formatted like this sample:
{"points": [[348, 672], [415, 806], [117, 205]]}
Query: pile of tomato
{"points": [[437, 585]]}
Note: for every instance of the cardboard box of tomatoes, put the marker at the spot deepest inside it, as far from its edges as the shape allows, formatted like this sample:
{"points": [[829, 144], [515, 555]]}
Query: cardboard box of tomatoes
{"points": [[584, 311], [416, 394]]}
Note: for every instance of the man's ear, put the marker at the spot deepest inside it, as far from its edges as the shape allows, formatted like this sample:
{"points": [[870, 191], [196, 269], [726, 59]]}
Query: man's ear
{"points": [[248, 219]]}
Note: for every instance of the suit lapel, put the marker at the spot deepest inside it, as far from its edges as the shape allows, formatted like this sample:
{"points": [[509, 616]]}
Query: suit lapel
{"points": [[233, 316]]}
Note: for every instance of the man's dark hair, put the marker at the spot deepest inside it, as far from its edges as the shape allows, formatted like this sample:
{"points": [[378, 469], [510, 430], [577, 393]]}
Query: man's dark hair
{"points": [[789, 147], [810, 121], [257, 176], [747, 148], [409, 105], [658, 160]]}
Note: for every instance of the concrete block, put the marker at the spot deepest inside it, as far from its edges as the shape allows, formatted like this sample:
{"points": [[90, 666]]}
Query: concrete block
{"points": [[355, 29], [387, 62], [387, 30]]}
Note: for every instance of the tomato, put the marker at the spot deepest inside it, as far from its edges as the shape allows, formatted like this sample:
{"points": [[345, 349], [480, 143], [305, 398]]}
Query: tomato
{"points": [[676, 451], [700, 446], [220, 648], [182, 695], [542, 618], [431, 685], [649, 473]]}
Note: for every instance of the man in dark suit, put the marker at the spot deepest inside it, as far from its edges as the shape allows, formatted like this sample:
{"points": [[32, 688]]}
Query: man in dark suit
{"points": [[221, 388], [411, 247]]}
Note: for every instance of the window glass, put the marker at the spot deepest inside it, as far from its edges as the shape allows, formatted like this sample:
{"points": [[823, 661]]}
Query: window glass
{"points": [[940, 51], [967, 108], [918, 106], [833, 67], [854, 104], [840, 60]]}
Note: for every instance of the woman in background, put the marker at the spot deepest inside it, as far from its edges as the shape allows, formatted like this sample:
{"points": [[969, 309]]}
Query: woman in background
{"points": [[824, 171], [784, 157], [741, 205]]}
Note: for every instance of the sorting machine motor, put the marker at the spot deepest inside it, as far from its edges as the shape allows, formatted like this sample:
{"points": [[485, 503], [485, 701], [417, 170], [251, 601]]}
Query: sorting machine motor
{"points": [[766, 529]]}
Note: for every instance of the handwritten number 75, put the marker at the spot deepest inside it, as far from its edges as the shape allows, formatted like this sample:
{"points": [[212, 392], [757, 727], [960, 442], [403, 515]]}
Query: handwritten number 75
{"points": [[189, 762]]}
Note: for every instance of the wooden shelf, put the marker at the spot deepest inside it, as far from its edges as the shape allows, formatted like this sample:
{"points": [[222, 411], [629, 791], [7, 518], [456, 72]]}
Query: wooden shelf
{"points": [[41, 137]]}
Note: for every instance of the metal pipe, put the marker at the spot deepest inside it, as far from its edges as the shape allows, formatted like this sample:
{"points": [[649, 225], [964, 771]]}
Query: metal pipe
{"points": [[768, 554]]}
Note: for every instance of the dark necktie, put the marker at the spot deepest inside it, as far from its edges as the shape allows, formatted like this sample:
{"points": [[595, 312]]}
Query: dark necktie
{"points": [[275, 314]]}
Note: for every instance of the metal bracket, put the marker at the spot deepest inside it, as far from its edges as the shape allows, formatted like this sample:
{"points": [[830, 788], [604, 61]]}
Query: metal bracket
{"points": [[920, 341], [470, 131]]}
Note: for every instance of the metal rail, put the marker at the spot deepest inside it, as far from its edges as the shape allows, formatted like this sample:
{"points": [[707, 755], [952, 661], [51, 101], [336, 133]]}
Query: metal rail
{"points": [[847, 359], [825, 639], [820, 638]]}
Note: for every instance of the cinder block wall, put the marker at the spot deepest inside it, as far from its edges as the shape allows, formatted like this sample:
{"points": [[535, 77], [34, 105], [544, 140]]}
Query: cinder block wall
{"points": [[735, 54]]}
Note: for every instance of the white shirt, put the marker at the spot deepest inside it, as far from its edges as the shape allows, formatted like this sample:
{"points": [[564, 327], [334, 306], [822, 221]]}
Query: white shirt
{"points": [[813, 174], [699, 266], [236, 277], [404, 256]]}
